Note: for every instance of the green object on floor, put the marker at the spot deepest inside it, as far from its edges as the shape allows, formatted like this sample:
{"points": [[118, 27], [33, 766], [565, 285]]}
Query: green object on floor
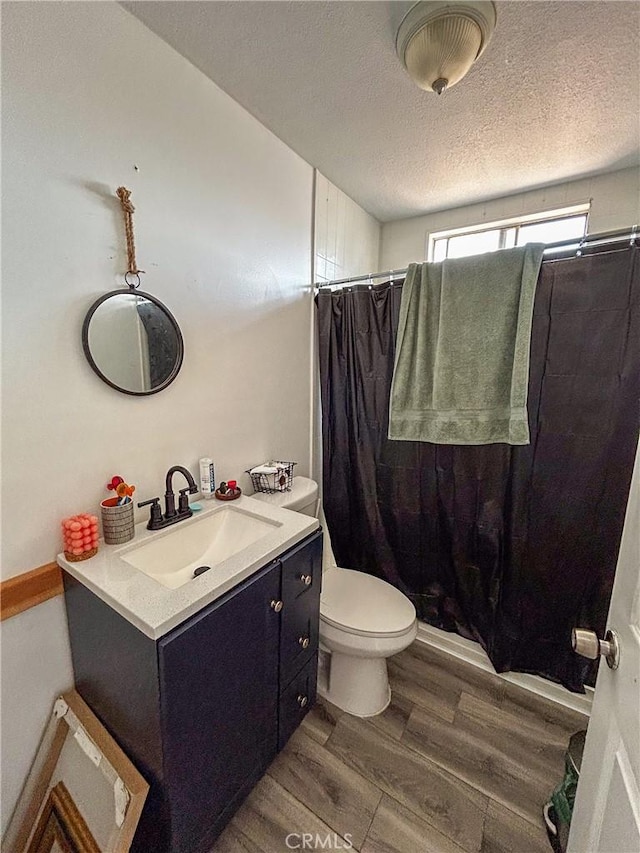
{"points": [[558, 811]]}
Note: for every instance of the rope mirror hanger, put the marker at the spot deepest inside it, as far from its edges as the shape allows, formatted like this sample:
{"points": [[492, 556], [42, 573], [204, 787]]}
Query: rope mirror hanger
{"points": [[127, 210]]}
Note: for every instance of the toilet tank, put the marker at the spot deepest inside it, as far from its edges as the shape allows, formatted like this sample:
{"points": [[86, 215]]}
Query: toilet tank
{"points": [[302, 497]]}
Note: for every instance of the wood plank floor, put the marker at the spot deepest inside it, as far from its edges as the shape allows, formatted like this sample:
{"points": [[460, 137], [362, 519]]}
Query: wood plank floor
{"points": [[460, 762]]}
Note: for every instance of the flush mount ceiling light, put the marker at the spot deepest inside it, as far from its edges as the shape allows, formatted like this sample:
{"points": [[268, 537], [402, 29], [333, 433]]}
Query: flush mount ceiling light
{"points": [[438, 42]]}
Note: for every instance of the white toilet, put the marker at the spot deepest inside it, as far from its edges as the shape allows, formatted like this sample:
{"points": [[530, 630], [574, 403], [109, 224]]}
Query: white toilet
{"points": [[363, 621]]}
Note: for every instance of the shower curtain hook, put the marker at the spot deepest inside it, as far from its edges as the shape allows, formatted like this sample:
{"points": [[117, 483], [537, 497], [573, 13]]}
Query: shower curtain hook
{"points": [[580, 246], [370, 278], [391, 277], [634, 235]]}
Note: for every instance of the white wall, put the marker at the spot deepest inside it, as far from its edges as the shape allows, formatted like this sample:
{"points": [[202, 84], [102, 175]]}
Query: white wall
{"points": [[347, 238], [223, 229], [615, 204], [36, 667]]}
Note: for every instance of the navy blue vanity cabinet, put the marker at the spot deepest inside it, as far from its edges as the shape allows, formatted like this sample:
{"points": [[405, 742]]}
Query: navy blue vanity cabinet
{"points": [[203, 710]]}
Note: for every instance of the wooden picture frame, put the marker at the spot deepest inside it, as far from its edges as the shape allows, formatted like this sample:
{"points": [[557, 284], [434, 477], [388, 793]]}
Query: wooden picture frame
{"points": [[61, 823], [47, 816]]}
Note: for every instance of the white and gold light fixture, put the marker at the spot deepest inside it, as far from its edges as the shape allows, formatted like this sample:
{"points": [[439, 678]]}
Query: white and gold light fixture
{"points": [[438, 42]]}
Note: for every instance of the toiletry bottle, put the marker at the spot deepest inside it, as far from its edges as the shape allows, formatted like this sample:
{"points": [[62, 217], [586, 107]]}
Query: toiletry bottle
{"points": [[207, 478]]}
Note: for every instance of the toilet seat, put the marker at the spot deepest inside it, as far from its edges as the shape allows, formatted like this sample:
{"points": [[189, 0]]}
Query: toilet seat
{"points": [[362, 604], [373, 634]]}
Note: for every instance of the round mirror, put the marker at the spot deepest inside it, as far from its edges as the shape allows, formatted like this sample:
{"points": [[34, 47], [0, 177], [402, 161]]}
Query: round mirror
{"points": [[132, 342]]}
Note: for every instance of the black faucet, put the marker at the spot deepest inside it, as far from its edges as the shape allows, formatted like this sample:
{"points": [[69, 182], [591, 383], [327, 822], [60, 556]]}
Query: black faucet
{"points": [[172, 515]]}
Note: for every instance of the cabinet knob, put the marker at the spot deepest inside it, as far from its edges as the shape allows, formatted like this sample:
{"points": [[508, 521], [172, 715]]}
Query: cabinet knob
{"points": [[275, 605], [302, 700], [304, 642], [306, 579]]}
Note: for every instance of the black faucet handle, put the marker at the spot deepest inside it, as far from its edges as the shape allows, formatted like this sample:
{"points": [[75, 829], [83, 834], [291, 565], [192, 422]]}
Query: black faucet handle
{"points": [[183, 501], [155, 516], [150, 501]]}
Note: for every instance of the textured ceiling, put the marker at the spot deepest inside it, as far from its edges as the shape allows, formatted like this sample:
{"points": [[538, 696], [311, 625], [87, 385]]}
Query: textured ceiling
{"points": [[555, 96]]}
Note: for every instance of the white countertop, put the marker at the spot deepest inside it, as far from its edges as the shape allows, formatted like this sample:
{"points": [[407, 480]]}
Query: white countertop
{"points": [[155, 609]]}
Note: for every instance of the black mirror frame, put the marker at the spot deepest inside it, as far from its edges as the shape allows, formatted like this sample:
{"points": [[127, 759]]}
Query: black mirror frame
{"points": [[94, 366]]}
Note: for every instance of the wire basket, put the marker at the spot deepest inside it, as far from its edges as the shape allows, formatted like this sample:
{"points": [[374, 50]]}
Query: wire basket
{"points": [[279, 480]]}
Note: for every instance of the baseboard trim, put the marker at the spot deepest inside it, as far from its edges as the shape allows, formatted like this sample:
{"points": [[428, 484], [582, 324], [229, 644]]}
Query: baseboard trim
{"points": [[474, 654]]}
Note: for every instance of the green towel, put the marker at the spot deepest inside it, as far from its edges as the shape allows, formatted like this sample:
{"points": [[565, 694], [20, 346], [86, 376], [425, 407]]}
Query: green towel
{"points": [[461, 370]]}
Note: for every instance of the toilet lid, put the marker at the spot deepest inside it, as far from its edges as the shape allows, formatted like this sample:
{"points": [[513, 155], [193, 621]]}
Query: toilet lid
{"points": [[363, 604]]}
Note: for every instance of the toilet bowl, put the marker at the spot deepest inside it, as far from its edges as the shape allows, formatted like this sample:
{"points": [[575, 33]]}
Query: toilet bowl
{"points": [[363, 621]]}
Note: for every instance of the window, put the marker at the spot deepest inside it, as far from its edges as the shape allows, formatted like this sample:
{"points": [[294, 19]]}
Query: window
{"points": [[551, 226]]}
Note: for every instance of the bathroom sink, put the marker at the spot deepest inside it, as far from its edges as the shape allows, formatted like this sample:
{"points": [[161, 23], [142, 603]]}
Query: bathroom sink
{"points": [[150, 581], [172, 557]]}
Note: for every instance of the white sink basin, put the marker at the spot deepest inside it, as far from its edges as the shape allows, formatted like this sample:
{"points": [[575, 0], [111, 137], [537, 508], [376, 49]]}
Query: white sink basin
{"points": [[171, 559]]}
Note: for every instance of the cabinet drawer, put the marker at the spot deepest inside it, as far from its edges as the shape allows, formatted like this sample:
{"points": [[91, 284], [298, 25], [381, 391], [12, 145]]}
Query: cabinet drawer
{"points": [[299, 634], [296, 700], [302, 569]]}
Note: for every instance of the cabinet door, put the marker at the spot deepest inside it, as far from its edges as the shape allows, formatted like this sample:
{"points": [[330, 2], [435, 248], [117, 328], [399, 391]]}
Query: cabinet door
{"points": [[301, 582], [219, 692]]}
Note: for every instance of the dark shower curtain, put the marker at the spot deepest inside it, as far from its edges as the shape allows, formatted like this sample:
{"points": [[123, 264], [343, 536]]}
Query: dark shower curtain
{"points": [[509, 546]]}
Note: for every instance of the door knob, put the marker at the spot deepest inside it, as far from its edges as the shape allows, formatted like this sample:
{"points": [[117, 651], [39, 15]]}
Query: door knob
{"points": [[275, 605], [587, 644]]}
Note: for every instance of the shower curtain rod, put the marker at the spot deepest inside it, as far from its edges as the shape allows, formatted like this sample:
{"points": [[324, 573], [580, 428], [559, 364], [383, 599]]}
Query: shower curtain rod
{"points": [[630, 233]]}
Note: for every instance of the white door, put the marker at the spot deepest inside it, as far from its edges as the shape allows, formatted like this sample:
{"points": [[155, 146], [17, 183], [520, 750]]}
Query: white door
{"points": [[606, 817]]}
